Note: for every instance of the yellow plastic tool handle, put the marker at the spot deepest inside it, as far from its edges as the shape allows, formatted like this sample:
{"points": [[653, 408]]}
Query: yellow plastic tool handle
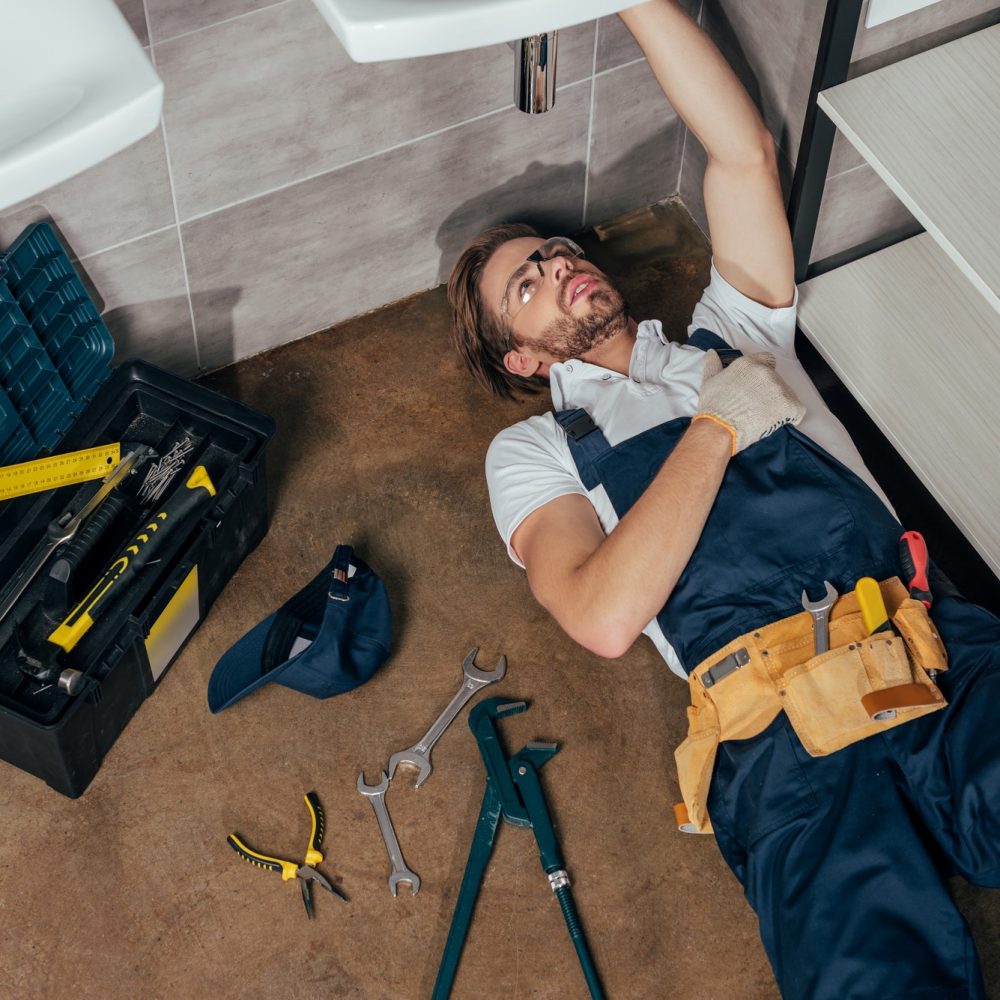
{"points": [[288, 869], [873, 612], [313, 854], [139, 551]]}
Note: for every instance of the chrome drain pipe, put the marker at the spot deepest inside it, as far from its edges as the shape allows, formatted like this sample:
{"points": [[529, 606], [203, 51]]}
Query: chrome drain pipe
{"points": [[535, 72]]}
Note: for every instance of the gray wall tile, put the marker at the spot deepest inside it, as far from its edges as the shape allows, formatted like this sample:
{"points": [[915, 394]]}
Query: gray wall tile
{"points": [[575, 54], [141, 292], [135, 14], [843, 156], [635, 149], [120, 198], [771, 45], [615, 44], [691, 185], [858, 207], [310, 255], [169, 18], [272, 98]]}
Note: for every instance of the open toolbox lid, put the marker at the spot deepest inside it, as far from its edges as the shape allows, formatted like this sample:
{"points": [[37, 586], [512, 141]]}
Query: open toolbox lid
{"points": [[55, 350]]}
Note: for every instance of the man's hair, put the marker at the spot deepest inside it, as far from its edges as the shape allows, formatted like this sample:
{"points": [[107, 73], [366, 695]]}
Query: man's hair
{"points": [[477, 332]]}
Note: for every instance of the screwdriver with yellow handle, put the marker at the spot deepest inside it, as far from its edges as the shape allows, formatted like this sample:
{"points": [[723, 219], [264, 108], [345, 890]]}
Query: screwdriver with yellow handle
{"points": [[143, 547], [305, 872]]}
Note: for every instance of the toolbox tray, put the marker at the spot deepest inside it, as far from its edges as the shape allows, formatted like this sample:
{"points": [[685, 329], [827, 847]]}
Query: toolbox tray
{"points": [[60, 380]]}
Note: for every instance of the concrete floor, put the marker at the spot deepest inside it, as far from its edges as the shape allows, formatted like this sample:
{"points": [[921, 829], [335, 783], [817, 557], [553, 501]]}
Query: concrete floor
{"points": [[131, 891]]}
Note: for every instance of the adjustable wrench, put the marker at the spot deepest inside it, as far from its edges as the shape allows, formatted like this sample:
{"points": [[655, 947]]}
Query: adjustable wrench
{"points": [[419, 755], [376, 795], [820, 611]]}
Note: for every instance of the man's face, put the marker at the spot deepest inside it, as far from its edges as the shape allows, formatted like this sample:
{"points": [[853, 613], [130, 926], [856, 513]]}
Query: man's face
{"points": [[574, 309]]}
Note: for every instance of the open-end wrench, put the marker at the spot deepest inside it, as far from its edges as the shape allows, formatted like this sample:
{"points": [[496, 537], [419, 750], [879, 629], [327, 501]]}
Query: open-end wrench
{"points": [[419, 755], [376, 795], [820, 611]]}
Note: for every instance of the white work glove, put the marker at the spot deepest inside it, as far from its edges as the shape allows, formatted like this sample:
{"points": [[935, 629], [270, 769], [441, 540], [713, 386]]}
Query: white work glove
{"points": [[748, 398]]}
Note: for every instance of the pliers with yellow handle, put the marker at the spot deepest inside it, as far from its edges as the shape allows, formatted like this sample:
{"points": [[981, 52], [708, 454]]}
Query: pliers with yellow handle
{"points": [[306, 872]]}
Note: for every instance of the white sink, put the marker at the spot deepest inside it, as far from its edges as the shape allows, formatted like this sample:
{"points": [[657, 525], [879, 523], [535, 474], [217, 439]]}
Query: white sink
{"points": [[75, 88], [372, 30]]}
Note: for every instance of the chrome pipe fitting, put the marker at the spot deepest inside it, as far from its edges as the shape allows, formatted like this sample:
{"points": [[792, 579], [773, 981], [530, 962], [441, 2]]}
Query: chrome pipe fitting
{"points": [[558, 879], [535, 72]]}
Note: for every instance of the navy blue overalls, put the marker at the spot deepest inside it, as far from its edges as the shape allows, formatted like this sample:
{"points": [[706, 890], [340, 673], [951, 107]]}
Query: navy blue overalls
{"points": [[843, 858]]}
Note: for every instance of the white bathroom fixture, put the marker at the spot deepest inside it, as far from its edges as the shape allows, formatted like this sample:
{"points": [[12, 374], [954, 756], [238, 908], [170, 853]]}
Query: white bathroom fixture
{"points": [[372, 30], [75, 88]]}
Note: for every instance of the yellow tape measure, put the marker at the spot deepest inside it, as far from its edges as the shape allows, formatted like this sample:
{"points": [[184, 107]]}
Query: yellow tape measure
{"points": [[58, 470]]}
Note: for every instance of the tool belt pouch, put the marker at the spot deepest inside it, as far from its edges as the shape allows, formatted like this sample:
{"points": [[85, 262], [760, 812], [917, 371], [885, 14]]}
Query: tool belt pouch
{"points": [[864, 685], [695, 759]]}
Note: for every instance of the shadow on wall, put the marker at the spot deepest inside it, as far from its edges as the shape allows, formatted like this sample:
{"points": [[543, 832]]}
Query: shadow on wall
{"points": [[518, 199], [159, 330], [538, 196]]}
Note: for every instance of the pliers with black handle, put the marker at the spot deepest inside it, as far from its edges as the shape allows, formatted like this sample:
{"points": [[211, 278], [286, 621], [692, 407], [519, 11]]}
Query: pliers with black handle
{"points": [[305, 872]]}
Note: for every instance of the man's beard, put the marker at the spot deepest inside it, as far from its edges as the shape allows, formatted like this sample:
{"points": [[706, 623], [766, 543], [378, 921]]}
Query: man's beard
{"points": [[572, 336]]}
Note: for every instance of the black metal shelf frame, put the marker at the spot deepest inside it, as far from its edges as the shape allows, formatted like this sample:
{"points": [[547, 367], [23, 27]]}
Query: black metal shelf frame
{"points": [[833, 60]]}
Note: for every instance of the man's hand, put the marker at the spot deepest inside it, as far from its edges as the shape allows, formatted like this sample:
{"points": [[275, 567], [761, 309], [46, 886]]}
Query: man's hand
{"points": [[748, 398]]}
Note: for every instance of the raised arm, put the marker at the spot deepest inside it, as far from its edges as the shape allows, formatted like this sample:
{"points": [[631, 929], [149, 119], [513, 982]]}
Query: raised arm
{"points": [[751, 243]]}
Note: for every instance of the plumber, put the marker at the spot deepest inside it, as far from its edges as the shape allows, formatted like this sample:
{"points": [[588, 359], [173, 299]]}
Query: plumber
{"points": [[697, 493]]}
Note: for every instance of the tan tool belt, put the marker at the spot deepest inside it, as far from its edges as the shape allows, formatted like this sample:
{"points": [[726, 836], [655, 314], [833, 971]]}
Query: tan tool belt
{"points": [[864, 684]]}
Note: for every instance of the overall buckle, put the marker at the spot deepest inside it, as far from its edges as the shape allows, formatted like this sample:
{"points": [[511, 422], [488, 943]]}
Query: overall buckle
{"points": [[726, 666]]}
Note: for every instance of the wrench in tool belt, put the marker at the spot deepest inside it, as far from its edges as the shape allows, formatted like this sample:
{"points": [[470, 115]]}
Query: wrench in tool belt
{"points": [[820, 611], [419, 755], [376, 795]]}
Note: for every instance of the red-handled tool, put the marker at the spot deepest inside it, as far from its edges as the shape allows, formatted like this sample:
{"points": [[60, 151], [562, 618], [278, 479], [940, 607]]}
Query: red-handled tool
{"points": [[913, 559]]}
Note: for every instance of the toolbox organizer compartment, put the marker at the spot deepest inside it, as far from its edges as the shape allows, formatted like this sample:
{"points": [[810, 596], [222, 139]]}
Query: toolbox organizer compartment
{"points": [[36, 394], [56, 736]]}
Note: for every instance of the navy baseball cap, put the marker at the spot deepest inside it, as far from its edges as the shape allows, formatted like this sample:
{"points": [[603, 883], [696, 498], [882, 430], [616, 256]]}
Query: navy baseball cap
{"points": [[329, 638]]}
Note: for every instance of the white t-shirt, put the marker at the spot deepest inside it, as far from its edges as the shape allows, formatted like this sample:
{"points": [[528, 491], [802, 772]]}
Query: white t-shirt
{"points": [[529, 464]]}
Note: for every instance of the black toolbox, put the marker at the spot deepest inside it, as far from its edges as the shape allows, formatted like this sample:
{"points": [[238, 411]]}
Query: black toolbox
{"points": [[58, 395]]}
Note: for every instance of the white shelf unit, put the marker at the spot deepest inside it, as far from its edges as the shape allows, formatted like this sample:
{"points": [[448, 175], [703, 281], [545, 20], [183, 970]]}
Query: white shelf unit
{"points": [[913, 331]]}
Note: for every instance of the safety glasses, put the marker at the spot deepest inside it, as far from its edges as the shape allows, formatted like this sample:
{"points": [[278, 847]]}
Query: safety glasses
{"points": [[524, 283]]}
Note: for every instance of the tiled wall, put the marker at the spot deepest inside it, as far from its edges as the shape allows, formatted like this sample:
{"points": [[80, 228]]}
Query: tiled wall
{"points": [[772, 44], [289, 188]]}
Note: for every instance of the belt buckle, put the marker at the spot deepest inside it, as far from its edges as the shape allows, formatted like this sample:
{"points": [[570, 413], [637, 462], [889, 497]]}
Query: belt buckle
{"points": [[726, 666]]}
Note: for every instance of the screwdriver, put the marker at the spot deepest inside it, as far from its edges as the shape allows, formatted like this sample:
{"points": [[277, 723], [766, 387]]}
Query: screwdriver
{"points": [[139, 551], [913, 559]]}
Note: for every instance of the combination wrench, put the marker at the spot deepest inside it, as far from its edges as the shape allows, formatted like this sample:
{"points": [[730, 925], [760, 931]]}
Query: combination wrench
{"points": [[376, 795], [820, 611], [419, 755]]}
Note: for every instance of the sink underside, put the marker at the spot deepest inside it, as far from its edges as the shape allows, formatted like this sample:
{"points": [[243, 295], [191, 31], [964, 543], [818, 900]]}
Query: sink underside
{"points": [[373, 30]]}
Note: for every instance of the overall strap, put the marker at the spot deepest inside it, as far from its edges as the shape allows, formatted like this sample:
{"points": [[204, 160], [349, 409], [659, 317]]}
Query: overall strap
{"points": [[587, 443], [708, 340], [586, 440]]}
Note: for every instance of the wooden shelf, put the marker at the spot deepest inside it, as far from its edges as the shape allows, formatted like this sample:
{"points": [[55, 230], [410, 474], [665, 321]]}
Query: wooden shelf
{"points": [[919, 348], [929, 126]]}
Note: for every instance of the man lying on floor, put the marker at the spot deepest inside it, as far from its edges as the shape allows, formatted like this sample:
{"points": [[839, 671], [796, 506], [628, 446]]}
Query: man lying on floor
{"points": [[692, 493]]}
